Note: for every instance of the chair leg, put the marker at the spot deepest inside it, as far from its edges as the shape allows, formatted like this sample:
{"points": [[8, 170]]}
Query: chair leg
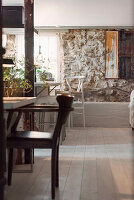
{"points": [[53, 173], [84, 122], [69, 121], [63, 134], [33, 155], [10, 165], [57, 167]]}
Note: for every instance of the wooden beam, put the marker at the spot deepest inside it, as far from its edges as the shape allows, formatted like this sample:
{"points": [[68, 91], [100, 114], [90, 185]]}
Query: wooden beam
{"points": [[29, 43], [2, 133], [29, 54]]}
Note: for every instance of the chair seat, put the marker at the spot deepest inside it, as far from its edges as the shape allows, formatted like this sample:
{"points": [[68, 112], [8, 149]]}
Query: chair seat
{"points": [[62, 92], [68, 92], [30, 139], [76, 93], [75, 87], [32, 135]]}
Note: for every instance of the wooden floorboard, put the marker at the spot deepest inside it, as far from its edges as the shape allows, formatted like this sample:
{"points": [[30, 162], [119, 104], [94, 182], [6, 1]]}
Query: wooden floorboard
{"points": [[95, 164]]}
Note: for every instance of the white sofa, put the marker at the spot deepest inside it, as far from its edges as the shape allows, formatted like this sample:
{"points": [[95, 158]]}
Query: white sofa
{"points": [[131, 107]]}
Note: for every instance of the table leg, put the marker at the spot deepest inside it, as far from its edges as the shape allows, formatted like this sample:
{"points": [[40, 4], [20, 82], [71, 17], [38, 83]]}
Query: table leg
{"points": [[28, 152]]}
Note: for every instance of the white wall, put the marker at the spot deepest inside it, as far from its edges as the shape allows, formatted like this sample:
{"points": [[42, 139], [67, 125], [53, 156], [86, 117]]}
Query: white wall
{"points": [[84, 12], [81, 12], [104, 114]]}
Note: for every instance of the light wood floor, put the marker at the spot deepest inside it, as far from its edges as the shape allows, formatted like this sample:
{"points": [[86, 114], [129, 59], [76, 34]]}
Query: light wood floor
{"points": [[95, 164]]}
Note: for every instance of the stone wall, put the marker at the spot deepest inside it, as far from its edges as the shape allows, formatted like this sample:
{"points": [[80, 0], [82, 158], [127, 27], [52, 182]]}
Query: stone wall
{"points": [[82, 52], [10, 47]]}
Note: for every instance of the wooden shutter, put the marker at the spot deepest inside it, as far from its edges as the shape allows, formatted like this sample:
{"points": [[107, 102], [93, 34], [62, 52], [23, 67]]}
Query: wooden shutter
{"points": [[126, 67]]}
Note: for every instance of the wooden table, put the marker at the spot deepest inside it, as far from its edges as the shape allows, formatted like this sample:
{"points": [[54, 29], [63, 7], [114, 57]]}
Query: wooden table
{"points": [[16, 102], [43, 86], [11, 103]]}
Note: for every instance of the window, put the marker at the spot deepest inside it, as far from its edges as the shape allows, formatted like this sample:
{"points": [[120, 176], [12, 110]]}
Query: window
{"points": [[19, 46], [46, 53]]}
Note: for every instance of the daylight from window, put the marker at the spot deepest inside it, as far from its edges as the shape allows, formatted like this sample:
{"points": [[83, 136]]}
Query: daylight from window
{"points": [[45, 55]]}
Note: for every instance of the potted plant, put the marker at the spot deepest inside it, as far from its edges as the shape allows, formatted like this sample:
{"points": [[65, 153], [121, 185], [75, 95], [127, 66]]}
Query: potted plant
{"points": [[14, 82]]}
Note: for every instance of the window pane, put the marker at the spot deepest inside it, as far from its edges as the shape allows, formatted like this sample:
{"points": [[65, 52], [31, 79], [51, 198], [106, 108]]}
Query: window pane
{"points": [[47, 54]]}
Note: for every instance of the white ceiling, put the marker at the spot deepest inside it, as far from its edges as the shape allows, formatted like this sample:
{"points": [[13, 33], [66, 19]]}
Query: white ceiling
{"points": [[81, 12]]}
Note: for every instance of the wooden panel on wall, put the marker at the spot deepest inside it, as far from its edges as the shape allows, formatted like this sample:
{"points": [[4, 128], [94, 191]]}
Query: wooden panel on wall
{"points": [[111, 70], [126, 67], [125, 42]]}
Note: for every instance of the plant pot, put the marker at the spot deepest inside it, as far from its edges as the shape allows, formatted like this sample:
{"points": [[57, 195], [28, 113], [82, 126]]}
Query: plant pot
{"points": [[10, 92]]}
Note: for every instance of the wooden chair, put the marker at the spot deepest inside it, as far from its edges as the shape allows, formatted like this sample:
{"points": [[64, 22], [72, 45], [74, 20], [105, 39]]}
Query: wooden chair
{"points": [[78, 93], [36, 139], [49, 120]]}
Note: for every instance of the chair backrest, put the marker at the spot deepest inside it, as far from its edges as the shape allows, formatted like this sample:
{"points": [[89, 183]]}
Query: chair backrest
{"points": [[65, 106], [78, 87]]}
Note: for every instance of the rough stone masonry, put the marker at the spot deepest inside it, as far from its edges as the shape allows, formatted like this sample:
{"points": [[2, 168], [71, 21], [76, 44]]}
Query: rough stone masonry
{"points": [[82, 52]]}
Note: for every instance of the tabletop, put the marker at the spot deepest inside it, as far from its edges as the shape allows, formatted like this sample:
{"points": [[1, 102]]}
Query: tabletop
{"points": [[16, 102], [49, 83]]}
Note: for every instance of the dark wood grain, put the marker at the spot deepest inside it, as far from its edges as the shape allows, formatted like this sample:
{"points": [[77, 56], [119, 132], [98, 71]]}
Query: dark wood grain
{"points": [[126, 63], [2, 131], [29, 43], [29, 51]]}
